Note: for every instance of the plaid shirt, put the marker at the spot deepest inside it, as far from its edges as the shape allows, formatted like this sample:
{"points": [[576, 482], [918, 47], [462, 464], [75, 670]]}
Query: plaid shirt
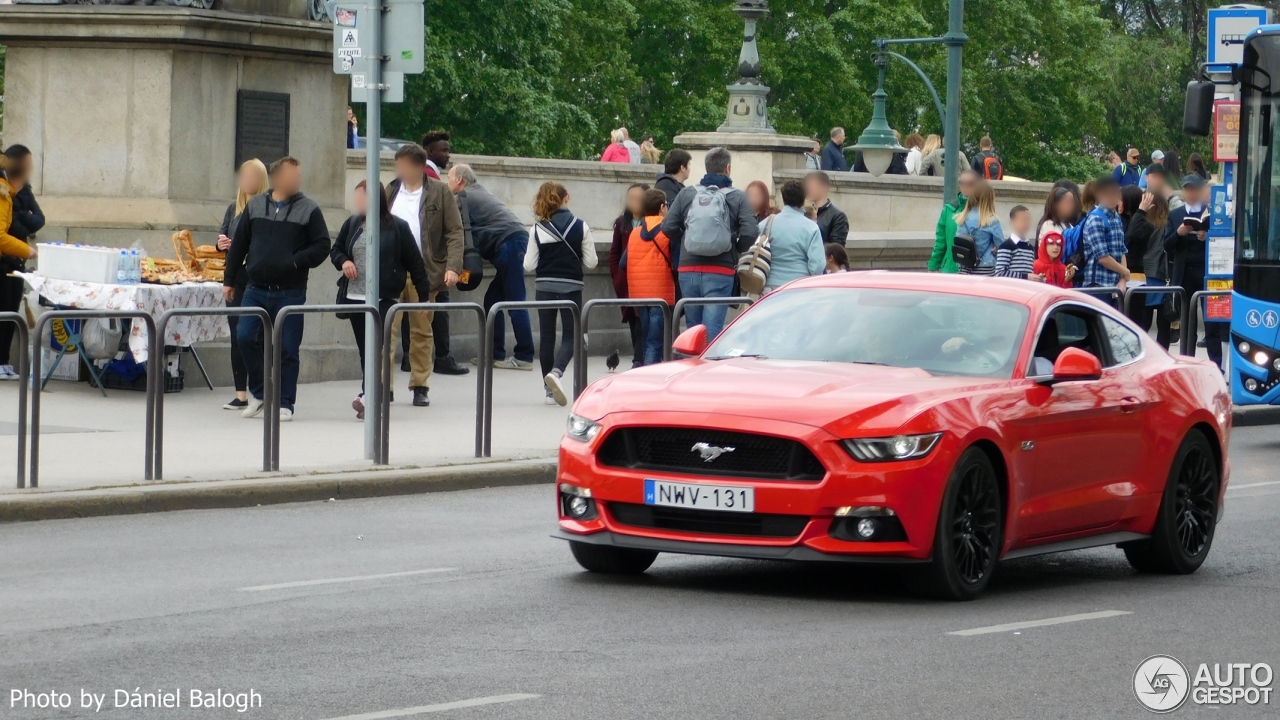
{"points": [[1102, 235]]}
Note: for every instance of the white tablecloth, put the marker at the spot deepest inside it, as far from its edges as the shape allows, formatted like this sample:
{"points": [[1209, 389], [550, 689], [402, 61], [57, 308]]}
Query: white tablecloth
{"points": [[151, 299]]}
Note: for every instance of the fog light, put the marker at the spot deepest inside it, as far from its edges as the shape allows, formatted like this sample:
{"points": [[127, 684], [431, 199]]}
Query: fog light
{"points": [[866, 528], [1244, 348], [1251, 385], [1260, 359], [578, 506]]}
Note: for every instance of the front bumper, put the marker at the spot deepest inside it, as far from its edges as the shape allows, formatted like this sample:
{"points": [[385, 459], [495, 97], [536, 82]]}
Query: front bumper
{"points": [[912, 489], [750, 552]]}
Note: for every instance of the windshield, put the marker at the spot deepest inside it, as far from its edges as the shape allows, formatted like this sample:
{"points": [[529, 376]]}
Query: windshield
{"points": [[936, 332]]}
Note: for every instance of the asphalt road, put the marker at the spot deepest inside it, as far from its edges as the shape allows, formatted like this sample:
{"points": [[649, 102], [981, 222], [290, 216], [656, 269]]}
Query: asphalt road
{"points": [[484, 607]]}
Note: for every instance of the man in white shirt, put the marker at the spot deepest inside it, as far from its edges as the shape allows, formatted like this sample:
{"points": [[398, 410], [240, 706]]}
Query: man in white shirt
{"points": [[631, 146], [431, 212]]}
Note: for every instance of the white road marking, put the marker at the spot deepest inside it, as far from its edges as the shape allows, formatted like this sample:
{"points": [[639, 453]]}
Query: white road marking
{"points": [[423, 709], [1252, 485], [331, 581], [1041, 623]]}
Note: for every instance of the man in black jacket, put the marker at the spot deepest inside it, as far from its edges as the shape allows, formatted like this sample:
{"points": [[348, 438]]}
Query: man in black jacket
{"points": [[674, 173], [832, 222], [1186, 246], [281, 236]]}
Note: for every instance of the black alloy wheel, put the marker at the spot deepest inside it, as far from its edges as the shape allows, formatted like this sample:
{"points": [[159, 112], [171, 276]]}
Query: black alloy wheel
{"points": [[1188, 513], [969, 535]]}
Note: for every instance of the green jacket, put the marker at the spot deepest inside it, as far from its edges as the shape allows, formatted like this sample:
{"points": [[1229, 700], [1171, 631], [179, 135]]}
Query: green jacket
{"points": [[944, 237]]}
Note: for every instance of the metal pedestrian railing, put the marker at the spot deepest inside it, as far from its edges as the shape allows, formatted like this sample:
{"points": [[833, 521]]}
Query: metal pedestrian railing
{"points": [[385, 359], [154, 380], [682, 304], [1176, 290], [1113, 296], [1193, 317], [487, 345], [163, 323], [580, 368], [271, 396], [24, 387]]}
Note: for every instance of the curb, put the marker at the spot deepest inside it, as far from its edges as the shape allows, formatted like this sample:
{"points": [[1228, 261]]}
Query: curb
{"points": [[136, 499]]}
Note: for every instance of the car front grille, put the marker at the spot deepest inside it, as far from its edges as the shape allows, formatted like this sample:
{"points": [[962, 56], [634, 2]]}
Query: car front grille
{"points": [[710, 522], [686, 451]]}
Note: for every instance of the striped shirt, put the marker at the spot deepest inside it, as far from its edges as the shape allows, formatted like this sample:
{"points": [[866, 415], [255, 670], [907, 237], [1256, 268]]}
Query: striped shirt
{"points": [[1015, 258]]}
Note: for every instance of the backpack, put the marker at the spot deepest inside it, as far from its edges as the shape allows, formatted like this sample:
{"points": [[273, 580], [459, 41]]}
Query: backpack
{"points": [[992, 169], [706, 224], [754, 265]]}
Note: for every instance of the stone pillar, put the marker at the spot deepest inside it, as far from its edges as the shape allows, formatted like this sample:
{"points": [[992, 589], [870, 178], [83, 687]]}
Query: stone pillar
{"points": [[131, 112]]}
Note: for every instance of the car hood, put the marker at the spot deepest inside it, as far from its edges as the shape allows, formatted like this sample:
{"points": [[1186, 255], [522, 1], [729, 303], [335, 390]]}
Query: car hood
{"points": [[812, 393]]}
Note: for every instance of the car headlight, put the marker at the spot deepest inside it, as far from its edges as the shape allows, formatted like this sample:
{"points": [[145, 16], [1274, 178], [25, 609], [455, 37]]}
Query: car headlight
{"points": [[580, 428], [898, 447]]}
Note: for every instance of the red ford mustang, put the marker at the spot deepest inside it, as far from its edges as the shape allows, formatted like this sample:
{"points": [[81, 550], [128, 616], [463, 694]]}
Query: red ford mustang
{"points": [[937, 422]]}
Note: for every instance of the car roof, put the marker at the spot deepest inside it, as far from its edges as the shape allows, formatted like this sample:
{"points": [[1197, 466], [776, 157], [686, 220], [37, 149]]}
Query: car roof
{"points": [[1024, 292]]}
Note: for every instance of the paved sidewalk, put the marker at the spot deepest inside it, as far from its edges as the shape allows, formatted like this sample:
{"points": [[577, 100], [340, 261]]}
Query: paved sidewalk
{"points": [[91, 442]]}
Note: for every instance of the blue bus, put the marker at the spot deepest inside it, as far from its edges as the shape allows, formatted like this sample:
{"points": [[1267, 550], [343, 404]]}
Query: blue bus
{"points": [[1255, 300]]}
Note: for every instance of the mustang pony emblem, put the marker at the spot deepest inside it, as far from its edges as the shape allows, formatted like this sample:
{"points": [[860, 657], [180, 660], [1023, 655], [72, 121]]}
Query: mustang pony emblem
{"points": [[709, 452]]}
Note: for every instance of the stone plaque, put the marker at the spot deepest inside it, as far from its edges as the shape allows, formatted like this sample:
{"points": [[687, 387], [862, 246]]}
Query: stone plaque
{"points": [[262, 126]]}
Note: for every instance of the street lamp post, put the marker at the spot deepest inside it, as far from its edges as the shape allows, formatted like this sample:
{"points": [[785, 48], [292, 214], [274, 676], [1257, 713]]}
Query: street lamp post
{"points": [[955, 40]]}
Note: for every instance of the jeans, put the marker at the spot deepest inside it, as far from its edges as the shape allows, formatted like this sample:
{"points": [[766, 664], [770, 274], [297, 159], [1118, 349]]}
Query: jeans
{"points": [[549, 356], [249, 332], [637, 340], [508, 285], [357, 327], [239, 373], [651, 320], [706, 285]]}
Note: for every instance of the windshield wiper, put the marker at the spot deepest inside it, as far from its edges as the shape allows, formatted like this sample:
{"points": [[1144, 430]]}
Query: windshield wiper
{"points": [[757, 356]]}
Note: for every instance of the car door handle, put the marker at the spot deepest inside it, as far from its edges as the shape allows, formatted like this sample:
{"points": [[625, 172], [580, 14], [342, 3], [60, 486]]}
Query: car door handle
{"points": [[1129, 404]]}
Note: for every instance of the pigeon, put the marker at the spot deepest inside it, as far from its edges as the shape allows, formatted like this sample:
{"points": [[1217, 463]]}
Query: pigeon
{"points": [[611, 362]]}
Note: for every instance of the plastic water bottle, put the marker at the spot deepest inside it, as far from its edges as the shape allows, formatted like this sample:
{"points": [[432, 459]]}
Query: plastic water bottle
{"points": [[122, 269], [135, 267]]}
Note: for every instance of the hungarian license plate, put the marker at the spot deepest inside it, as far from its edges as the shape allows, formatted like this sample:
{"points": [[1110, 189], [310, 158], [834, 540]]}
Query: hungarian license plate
{"points": [[701, 497]]}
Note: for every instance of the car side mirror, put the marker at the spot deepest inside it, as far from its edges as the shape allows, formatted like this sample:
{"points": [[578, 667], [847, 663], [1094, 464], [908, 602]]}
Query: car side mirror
{"points": [[692, 342], [1074, 364]]}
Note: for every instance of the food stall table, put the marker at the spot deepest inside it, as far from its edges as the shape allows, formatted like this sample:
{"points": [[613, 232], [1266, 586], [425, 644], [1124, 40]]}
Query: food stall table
{"points": [[155, 300]]}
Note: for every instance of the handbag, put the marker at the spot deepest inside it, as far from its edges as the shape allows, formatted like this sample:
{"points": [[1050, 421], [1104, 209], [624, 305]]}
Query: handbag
{"points": [[472, 263], [964, 250], [755, 263]]}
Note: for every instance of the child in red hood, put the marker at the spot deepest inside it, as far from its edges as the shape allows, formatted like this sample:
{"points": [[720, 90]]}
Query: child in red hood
{"points": [[1049, 267]]}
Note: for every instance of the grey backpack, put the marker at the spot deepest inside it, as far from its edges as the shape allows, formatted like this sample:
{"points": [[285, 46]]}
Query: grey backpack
{"points": [[706, 225]]}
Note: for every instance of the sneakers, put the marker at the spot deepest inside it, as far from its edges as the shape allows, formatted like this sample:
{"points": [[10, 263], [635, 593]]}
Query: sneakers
{"points": [[448, 366], [286, 415], [236, 404], [358, 406], [420, 398], [510, 363], [555, 388], [252, 408], [8, 373], [550, 400]]}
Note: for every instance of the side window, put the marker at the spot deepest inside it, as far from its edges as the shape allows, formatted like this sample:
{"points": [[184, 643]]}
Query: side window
{"points": [[1125, 345], [1069, 326]]}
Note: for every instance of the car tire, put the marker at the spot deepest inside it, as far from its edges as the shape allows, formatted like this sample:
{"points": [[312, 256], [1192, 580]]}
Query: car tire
{"points": [[1188, 513], [612, 560], [969, 536]]}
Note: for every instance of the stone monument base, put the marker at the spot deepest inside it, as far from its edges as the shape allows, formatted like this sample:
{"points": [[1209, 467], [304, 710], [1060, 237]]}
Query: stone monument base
{"points": [[756, 155]]}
